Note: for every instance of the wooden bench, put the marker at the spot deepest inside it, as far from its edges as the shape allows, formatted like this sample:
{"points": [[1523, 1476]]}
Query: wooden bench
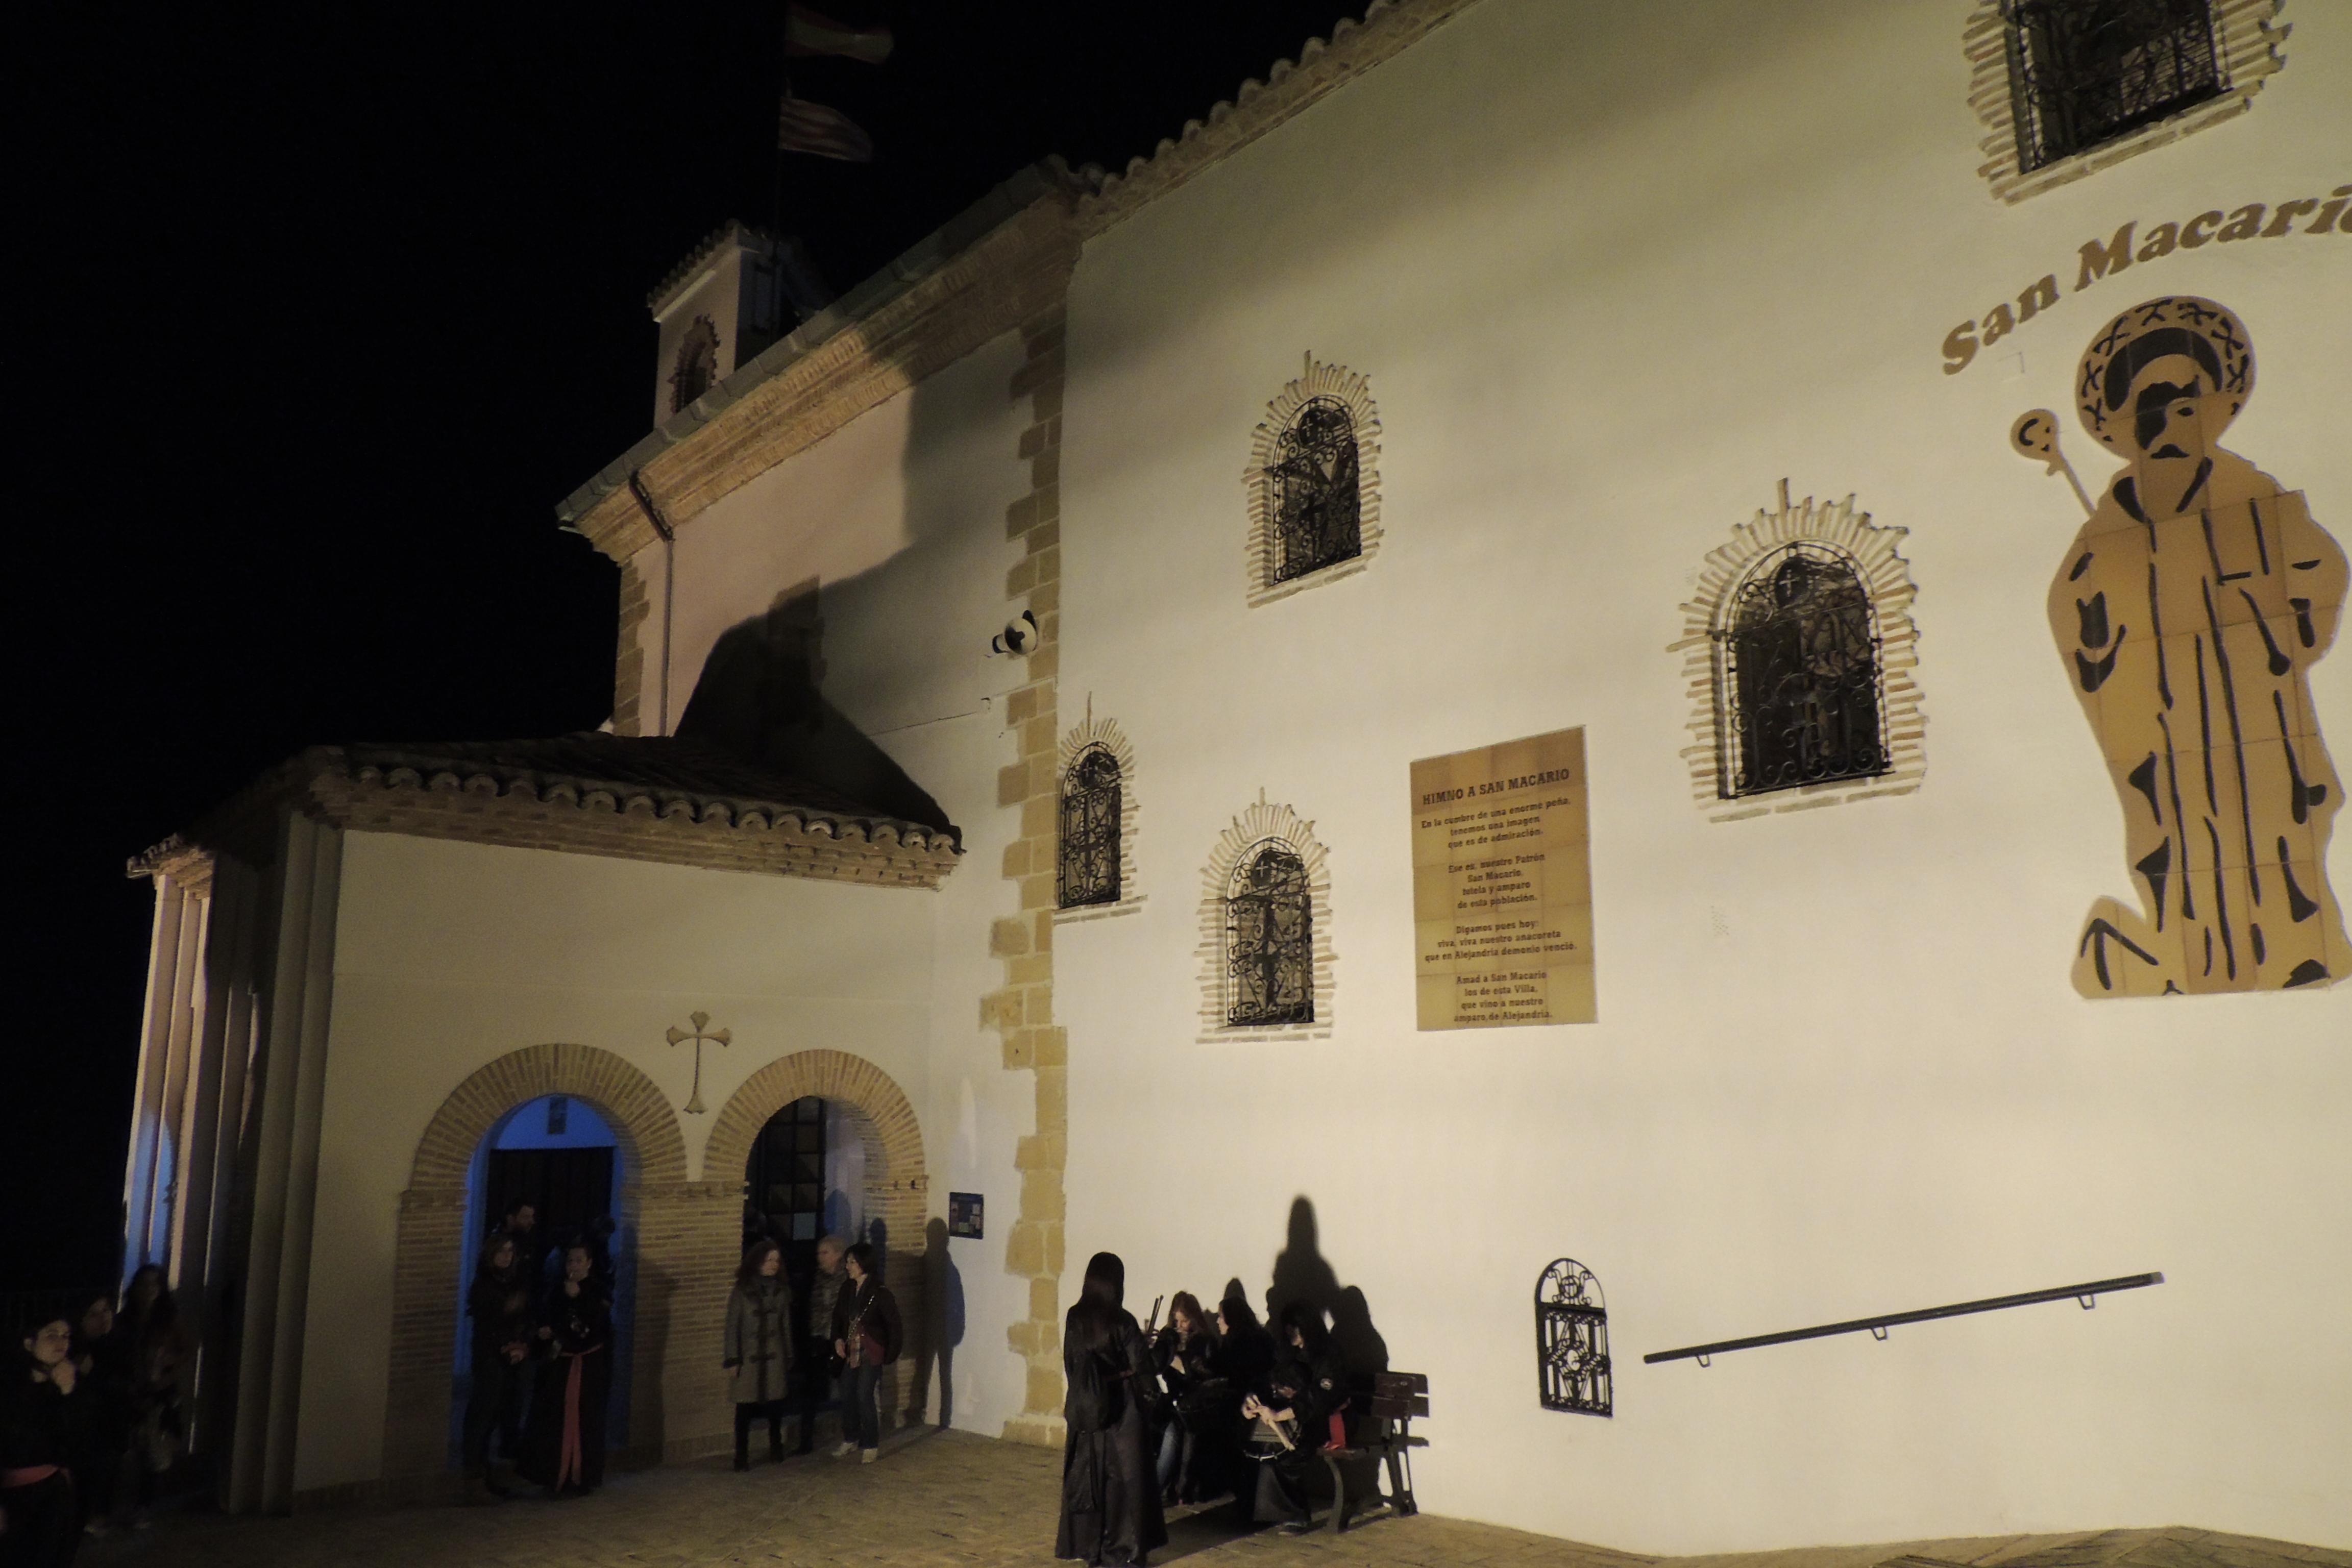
{"points": [[1378, 1426]]}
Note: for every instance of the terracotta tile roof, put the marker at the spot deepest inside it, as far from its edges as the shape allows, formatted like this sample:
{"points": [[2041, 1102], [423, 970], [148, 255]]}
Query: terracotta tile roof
{"points": [[661, 798]]}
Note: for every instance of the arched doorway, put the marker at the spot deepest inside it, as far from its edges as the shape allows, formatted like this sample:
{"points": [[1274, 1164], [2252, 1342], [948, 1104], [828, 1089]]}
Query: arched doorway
{"points": [[432, 1253], [556, 1153], [827, 1141]]}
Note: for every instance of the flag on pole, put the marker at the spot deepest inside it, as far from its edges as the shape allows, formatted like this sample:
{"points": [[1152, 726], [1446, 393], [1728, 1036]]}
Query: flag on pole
{"points": [[811, 127], [808, 31]]}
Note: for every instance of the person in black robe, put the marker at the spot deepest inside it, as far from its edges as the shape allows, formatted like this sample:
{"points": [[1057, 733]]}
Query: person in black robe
{"points": [[40, 1519], [1110, 1496], [1308, 1390], [563, 1448], [1240, 1359], [100, 1432], [500, 1307]]}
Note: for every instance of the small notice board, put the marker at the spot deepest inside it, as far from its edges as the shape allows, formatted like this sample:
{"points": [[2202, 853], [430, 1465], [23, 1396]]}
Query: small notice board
{"points": [[1502, 886]]}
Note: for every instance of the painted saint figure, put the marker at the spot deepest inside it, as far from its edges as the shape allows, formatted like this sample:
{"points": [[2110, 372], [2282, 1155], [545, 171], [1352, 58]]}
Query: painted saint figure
{"points": [[2188, 612]]}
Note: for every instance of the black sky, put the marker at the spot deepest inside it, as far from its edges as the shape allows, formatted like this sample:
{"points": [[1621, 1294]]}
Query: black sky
{"points": [[317, 314]]}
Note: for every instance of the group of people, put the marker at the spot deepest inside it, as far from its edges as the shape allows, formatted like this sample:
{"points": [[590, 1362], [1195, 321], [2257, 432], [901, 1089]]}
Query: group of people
{"points": [[542, 1329], [542, 1354], [1203, 1406], [853, 1331], [92, 1416]]}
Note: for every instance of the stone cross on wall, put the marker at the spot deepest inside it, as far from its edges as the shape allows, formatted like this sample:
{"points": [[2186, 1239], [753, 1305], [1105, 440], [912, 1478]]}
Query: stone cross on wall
{"points": [[678, 1037]]}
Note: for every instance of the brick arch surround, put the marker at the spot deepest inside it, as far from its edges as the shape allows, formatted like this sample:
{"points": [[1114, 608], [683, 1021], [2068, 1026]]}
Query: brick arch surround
{"points": [[430, 1253], [897, 1183]]}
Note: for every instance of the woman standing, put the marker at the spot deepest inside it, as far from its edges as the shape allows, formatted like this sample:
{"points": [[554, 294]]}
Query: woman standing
{"points": [[867, 1335], [499, 1305], [564, 1448], [40, 1523], [758, 1351], [1110, 1504], [101, 1432], [159, 1359]]}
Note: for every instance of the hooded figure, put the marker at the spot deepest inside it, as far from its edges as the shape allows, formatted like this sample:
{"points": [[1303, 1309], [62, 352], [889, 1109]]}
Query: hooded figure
{"points": [[1110, 1490]]}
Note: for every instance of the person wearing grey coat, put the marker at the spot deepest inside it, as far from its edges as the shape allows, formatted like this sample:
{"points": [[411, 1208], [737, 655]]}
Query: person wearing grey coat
{"points": [[757, 1353]]}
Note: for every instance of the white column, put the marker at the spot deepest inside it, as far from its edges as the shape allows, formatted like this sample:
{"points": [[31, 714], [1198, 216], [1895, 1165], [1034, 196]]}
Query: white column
{"points": [[139, 1175]]}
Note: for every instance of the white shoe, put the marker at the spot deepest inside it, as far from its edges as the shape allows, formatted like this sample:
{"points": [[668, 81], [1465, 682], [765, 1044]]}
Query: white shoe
{"points": [[870, 1455], [843, 1450]]}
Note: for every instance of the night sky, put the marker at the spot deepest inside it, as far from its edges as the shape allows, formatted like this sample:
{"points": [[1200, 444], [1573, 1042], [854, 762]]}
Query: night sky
{"points": [[317, 317]]}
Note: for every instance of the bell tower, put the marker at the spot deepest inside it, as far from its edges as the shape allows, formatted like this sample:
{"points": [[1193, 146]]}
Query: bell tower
{"points": [[738, 292]]}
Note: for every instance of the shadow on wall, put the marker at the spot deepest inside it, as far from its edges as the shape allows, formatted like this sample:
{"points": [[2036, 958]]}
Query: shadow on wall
{"points": [[761, 696], [1301, 1273], [648, 1428], [941, 1329]]}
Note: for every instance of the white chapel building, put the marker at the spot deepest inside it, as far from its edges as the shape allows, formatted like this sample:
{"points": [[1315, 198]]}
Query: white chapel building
{"points": [[1832, 430]]}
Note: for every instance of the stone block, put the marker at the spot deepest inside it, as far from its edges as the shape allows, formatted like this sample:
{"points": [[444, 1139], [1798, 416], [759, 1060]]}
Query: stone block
{"points": [[1021, 579], [1019, 1050], [1046, 403], [1013, 786], [1020, 517], [1054, 1100], [1042, 1197], [1036, 969], [1008, 938], [1036, 892], [1045, 663], [1044, 943], [1044, 1297], [1021, 706], [1047, 597], [1041, 1152], [1016, 858], [1052, 1044], [1044, 1386], [1043, 537], [1045, 468], [1037, 737], [1025, 1250]]}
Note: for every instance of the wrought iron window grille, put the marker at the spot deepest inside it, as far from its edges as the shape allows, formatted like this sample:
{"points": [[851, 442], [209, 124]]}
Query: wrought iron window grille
{"points": [[1269, 941], [2084, 72], [1798, 689], [1088, 869], [1572, 1341], [697, 363], [1316, 501]]}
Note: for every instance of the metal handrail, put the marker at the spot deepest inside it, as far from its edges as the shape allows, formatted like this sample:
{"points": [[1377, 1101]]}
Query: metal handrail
{"points": [[2087, 1294]]}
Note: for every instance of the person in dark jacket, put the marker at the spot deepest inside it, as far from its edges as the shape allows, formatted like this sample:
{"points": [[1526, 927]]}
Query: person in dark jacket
{"points": [[564, 1449], [820, 1367], [1307, 1388], [1110, 1501], [41, 1522], [101, 1427], [162, 1358], [867, 1334], [757, 1349], [1182, 1350], [499, 1305]]}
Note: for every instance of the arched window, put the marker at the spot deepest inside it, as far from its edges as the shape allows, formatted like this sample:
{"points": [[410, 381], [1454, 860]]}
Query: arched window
{"points": [[1799, 679], [1572, 1340], [1315, 498], [697, 363], [1090, 825], [1269, 946]]}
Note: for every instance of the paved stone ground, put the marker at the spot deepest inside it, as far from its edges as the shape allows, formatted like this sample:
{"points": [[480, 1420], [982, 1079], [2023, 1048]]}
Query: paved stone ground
{"points": [[954, 1500]]}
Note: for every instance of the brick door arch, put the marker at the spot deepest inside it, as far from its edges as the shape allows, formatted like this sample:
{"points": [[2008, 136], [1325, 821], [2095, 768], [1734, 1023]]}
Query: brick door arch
{"points": [[897, 1182], [430, 1253]]}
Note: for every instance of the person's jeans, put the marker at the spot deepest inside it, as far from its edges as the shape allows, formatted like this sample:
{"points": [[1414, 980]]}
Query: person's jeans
{"points": [[861, 1417], [493, 1404], [1172, 1441]]}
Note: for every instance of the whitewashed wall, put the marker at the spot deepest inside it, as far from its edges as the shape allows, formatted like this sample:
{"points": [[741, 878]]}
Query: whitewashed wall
{"points": [[900, 515], [1615, 271], [451, 955]]}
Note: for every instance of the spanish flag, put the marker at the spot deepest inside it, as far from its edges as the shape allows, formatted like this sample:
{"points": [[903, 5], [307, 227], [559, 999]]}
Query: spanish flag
{"points": [[808, 31]]}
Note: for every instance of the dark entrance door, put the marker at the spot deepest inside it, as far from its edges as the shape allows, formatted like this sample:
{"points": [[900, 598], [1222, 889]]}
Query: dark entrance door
{"points": [[568, 1187], [785, 1182]]}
